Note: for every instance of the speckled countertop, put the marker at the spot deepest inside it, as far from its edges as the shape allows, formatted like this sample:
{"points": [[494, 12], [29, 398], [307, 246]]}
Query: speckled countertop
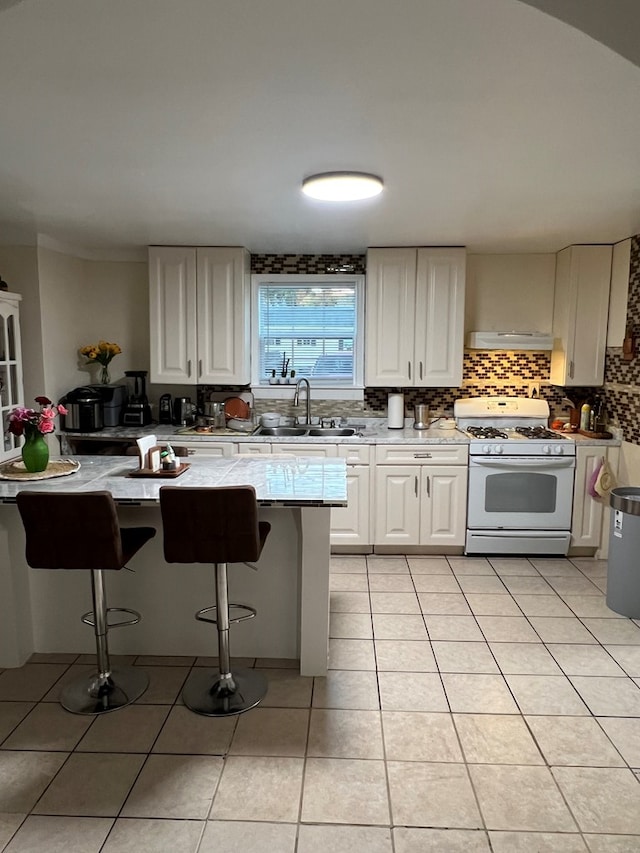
{"points": [[278, 481], [369, 431]]}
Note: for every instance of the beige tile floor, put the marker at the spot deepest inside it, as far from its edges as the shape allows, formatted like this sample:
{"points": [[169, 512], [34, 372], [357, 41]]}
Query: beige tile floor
{"points": [[472, 705]]}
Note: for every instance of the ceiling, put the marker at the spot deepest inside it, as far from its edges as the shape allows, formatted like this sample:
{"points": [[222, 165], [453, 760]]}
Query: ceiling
{"points": [[493, 124]]}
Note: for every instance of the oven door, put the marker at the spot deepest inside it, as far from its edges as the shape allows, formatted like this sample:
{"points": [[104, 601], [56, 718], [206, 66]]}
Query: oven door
{"points": [[520, 493]]}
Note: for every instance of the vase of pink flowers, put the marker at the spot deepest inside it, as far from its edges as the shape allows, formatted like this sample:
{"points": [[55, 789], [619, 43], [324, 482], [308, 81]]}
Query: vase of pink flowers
{"points": [[33, 425]]}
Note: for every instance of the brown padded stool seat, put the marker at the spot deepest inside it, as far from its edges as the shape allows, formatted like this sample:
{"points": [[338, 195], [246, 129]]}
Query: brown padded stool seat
{"points": [[71, 530], [216, 526]]}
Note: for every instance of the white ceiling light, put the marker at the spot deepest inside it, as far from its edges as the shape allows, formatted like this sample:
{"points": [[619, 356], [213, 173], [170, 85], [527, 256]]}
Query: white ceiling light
{"points": [[342, 186]]}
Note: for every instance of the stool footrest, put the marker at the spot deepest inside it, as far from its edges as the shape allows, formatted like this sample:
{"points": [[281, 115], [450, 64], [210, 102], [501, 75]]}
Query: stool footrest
{"points": [[90, 619], [251, 612]]}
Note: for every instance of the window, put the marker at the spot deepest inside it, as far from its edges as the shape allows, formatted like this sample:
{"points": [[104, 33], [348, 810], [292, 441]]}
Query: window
{"points": [[309, 324]]}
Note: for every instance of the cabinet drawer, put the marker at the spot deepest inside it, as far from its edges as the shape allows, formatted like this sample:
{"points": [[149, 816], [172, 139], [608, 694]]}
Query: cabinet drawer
{"points": [[327, 450], [422, 454], [355, 454], [252, 448], [208, 448]]}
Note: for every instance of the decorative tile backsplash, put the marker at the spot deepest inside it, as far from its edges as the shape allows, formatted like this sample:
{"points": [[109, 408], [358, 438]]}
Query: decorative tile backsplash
{"points": [[307, 264], [622, 378]]}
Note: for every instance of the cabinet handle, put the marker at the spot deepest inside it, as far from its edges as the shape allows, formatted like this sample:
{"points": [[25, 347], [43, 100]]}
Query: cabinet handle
{"points": [[415, 485], [199, 368], [409, 369], [189, 368], [422, 455], [420, 370], [428, 487], [571, 370]]}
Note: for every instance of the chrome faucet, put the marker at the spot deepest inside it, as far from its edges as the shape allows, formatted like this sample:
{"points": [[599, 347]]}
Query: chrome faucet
{"points": [[296, 398]]}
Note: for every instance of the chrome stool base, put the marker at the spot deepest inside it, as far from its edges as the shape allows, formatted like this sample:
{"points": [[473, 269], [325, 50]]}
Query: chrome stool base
{"points": [[206, 692], [89, 694]]}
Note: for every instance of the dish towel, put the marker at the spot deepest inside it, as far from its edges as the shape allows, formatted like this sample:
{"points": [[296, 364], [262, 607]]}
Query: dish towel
{"points": [[593, 479], [605, 480]]}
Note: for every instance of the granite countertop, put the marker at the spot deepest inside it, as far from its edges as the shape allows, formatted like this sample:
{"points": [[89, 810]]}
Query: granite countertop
{"points": [[370, 431], [278, 481]]}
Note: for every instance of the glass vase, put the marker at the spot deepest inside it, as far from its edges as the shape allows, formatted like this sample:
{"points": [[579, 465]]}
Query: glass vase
{"points": [[105, 379], [35, 452]]}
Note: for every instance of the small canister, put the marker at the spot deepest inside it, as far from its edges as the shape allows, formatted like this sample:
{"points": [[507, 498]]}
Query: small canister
{"points": [[421, 414]]}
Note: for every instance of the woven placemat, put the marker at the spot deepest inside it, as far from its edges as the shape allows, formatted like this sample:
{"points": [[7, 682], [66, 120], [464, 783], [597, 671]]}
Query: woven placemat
{"points": [[56, 468]]}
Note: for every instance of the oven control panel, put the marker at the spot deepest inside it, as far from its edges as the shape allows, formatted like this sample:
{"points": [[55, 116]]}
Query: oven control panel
{"points": [[522, 448]]}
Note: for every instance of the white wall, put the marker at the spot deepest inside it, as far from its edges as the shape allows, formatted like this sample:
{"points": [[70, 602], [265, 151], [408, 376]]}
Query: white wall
{"points": [[510, 293], [86, 301]]}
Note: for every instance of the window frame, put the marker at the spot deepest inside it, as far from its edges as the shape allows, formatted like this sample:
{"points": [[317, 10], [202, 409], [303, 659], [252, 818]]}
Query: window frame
{"points": [[330, 390]]}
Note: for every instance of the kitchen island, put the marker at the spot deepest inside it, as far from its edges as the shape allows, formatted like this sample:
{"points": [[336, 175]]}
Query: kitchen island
{"points": [[40, 610]]}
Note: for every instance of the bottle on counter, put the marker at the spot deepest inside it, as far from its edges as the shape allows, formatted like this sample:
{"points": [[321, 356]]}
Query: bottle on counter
{"points": [[169, 459], [585, 416]]}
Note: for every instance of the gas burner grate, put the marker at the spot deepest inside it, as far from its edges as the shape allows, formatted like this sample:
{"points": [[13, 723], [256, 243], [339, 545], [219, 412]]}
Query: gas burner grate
{"points": [[486, 432], [539, 432]]}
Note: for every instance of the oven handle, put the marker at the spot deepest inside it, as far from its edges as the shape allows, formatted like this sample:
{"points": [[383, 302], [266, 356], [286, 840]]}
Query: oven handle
{"points": [[524, 462]]}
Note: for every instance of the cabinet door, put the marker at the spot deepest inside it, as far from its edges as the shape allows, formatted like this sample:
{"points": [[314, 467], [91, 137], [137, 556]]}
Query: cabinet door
{"points": [[172, 315], [443, 509], [223, 316], [390, 309], [586, 519], [439, 317], [350, 524], [580, 313], [11, 393], [397, 510]]}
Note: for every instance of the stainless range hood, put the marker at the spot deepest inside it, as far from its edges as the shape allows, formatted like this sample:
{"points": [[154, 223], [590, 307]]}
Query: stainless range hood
{"points": [[509, 340]]}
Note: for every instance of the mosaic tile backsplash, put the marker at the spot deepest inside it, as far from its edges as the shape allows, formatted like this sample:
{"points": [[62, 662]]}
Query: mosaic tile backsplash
{"points": [[622, 378], [307, 264], [484, 373]]}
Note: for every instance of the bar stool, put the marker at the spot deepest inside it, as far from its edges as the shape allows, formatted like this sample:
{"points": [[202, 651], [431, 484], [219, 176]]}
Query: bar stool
{"points": [[216, 526], [70, 530]]}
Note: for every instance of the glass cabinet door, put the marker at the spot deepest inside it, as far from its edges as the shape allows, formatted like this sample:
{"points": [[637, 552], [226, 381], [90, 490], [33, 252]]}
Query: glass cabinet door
{"points": [[11, 393]]}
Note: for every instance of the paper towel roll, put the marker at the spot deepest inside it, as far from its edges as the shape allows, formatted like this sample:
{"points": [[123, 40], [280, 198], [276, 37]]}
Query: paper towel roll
{"points": [[395, 411]]}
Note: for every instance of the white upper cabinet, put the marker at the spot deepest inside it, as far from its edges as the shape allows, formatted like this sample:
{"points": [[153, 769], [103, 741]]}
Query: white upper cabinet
{"points": [[414, 317], [199, 315], [580, 311]]}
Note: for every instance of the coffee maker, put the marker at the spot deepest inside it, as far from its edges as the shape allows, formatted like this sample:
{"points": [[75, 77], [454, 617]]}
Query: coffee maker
{"points": [[137, 412]]}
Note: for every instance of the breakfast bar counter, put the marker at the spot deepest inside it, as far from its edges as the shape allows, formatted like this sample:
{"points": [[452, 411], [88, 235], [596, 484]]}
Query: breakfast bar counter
{"points": [[40, 610]]}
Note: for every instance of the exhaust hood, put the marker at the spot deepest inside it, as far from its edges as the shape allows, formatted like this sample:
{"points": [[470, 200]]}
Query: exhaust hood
{"points": [[509, 340]]}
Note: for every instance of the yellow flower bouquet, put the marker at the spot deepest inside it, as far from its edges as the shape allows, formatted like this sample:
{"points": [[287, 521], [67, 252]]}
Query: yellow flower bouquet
{"points": [[101, 353]]}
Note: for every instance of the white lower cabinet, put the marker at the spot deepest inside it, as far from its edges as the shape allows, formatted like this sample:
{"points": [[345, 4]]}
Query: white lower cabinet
{"points": [[588, 528], [351, 525], [420, 495], [208, 448]]}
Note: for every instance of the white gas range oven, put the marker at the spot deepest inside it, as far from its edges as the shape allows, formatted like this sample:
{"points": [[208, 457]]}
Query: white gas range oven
{"points": [[520, 477]]}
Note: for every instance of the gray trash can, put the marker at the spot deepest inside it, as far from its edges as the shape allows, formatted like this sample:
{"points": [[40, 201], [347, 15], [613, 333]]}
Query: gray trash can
{"points": [[623, 574]]}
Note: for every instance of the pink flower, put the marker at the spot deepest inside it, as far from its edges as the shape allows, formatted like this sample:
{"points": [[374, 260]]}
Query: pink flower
{"points": [[23, 420]]}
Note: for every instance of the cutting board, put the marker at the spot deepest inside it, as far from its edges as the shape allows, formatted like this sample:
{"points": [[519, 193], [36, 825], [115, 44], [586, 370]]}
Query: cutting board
{"points": [[589, 434]]}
